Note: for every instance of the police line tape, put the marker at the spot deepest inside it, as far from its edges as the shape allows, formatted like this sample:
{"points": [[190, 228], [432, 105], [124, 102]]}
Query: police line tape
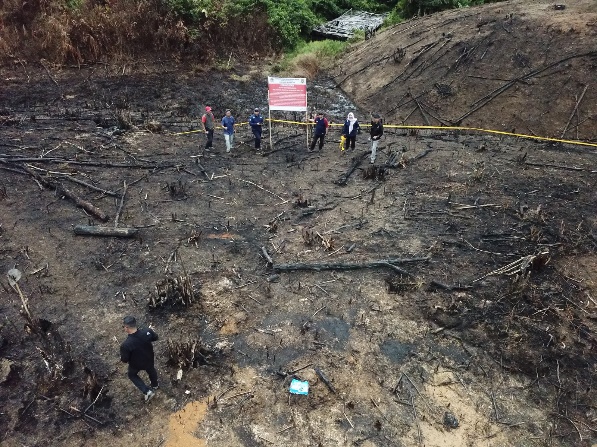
{"points": [[406, 127]]}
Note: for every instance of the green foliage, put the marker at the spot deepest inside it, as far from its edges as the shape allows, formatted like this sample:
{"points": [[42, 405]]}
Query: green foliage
{"points": [[357, 36], [73, 4], [193, 12], [393, 18], [323, 50], [291, 19]]}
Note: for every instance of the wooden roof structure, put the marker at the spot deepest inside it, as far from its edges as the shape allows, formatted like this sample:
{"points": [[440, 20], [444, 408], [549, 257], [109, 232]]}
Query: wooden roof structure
{"points": [[343, 27]]}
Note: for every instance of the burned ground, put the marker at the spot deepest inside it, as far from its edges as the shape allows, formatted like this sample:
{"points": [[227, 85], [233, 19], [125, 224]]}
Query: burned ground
{"points": [[478, 309], [513, 66], [406, 349]]}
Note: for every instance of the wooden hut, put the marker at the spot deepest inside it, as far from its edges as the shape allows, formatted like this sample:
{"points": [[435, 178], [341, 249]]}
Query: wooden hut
{"points": [[344, 27]]}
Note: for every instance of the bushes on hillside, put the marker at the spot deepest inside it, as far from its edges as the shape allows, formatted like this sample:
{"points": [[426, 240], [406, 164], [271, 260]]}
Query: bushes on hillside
{"points": [[88, 30]]}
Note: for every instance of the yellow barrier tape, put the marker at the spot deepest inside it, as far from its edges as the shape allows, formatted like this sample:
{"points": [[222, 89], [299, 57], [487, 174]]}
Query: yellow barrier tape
{"points": [[400, 126]]}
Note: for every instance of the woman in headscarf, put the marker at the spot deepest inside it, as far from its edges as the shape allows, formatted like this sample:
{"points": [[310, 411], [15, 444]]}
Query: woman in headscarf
{"points": [[350, 130]]}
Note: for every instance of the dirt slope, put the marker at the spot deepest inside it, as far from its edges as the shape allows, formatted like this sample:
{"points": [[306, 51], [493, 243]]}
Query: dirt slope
{"points": [[513, 65]]}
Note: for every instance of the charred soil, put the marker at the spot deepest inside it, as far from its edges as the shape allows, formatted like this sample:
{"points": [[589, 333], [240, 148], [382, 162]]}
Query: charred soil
{"points": [[473, 323]]}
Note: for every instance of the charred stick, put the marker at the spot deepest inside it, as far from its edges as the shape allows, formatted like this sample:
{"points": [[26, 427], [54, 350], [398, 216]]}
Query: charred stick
{"points": [[550, 165], [124, 187], [347, 266], [62, 191], [95, 400], [379, 409], [84, 163], [90, 186], [70, 178], [574, 111], [423, 114], [263, 189], [489, 97], [325, 380], [294, 371], [96, 230], [356, 161], [266, 255]]}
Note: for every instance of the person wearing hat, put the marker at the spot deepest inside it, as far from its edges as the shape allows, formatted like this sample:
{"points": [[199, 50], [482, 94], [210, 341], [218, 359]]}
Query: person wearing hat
{"points": [[228, 125], [137, 351], [208, 123], [376, 132], [256, 123], [321, 129]]}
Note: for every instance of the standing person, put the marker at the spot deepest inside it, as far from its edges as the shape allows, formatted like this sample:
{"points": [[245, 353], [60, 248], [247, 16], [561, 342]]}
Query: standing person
{"points": [[350, 130], [228, 125], [208, 123], [256, 123], [321, 129], [376, 132], [137, 351]]}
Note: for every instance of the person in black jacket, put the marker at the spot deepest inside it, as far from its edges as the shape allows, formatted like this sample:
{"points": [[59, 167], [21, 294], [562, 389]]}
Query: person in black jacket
{"points": [[321, 129], [350, 130], [137, 351], [376, 132]]}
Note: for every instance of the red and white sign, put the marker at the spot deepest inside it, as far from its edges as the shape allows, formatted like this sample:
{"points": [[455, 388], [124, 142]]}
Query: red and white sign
{"points": [[287, 94]]}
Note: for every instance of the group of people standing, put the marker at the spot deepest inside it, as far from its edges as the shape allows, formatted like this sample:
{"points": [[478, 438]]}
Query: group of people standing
{"points": [[208, 122], [350, 130]]}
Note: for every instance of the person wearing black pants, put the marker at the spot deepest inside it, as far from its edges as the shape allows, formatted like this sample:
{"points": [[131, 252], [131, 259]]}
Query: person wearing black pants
{"points": [[137, 351], [256, 123], [350, 130], [208, 122], [321, 128]]}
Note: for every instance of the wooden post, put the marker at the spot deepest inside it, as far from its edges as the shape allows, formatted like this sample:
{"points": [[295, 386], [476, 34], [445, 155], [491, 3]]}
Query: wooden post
{"points": [[269, 112], [307, 118]]}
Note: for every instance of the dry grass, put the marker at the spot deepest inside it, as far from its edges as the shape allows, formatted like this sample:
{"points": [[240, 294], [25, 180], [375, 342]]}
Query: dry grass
{"points": [[307, 66], [46, 29]]}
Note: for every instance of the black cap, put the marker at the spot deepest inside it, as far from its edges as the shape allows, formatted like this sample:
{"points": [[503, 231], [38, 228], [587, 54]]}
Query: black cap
{"points": [[256, 110], [376, 115], [320, 113], [129, 321]]}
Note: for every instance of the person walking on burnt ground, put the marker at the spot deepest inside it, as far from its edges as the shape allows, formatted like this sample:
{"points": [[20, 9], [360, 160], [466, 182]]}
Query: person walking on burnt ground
{"points": [[376, 133], [137, 351], [320, 131], [350, 130], [208, 123], [228, 125], [256, 123]]}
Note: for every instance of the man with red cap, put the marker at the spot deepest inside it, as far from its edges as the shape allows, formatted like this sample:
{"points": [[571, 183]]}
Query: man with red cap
{"points": [[208, 123]]}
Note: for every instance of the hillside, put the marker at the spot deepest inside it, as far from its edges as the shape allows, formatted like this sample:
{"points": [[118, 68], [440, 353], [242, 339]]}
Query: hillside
{"points": [[514, 65]]}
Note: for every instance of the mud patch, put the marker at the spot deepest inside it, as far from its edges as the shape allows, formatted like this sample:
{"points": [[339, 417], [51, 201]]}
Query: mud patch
{"points": [[184, 425]]}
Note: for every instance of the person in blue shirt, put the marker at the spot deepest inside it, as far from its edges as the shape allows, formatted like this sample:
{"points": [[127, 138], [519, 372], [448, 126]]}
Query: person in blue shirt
{"points": [[321, 128], [350, 130], [228, 125], [256, 123]]}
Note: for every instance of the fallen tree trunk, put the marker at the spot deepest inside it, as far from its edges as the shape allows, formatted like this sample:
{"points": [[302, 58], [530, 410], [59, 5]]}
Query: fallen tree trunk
{"points": [[387, 263], [93, 230], [62, 191]]}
